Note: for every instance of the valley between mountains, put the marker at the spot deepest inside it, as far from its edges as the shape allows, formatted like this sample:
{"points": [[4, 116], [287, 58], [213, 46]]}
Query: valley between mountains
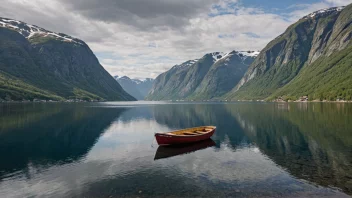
{"points": [[312, 58]]}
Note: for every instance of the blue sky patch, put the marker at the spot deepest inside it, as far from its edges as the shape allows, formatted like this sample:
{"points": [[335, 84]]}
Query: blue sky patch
{"points": [[226, 36], [275, 6], [281, 7], [252, 35]]}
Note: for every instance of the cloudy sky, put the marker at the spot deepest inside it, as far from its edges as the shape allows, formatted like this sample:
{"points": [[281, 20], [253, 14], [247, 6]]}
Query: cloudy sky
{"points": [[143, 38]]}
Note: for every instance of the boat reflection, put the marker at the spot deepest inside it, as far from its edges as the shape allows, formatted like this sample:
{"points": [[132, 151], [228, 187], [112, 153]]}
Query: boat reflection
{"points": [[173, 150]]}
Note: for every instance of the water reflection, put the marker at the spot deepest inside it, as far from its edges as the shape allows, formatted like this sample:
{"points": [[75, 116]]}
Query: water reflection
{"points": [[48, 134], [104, 150], [170, 151], [190, 115], [311, 141]]}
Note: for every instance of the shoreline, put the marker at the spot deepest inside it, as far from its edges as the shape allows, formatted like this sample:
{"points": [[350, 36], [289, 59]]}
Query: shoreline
{"points": [[224, 101]]}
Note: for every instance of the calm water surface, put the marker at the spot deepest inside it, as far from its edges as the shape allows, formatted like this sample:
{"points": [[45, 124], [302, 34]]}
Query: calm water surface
{"points": [[108, 150]]}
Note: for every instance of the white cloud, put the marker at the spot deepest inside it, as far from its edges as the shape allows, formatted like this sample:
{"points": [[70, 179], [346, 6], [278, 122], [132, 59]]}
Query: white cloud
{"points": [[339, 2], [137, 51], [305, 9]]}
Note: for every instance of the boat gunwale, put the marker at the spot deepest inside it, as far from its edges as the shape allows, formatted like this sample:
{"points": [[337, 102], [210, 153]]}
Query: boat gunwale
{"points": [[166, 134]]}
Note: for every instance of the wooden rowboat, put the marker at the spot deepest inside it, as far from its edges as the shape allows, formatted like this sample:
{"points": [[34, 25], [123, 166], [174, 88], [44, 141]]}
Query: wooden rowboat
{"points": [[185, 136]]}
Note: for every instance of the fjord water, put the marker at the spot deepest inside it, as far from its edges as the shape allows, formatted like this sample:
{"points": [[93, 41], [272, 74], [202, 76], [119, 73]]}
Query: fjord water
{"points": [[107, 150]]}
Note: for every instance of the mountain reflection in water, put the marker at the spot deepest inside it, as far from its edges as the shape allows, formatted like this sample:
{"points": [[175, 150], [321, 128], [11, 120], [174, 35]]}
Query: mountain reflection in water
{"points": [[103, 150], [49, 134]]}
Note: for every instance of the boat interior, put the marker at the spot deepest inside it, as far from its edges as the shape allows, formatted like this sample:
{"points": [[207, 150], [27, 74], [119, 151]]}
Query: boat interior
{"points": [[192, 131]]}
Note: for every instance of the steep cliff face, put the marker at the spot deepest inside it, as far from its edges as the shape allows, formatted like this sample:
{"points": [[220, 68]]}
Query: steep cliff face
{"points": [[224, 75], [36, 63], [196, 74], [168, 85], [207, 78], [284, 63]]}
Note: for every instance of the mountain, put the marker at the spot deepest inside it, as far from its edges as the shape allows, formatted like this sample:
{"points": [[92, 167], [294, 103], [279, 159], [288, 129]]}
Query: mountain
{"points": [[144, 86], [313, 57], [224, 74], [37, 63], [135, 87], [209, 77]]}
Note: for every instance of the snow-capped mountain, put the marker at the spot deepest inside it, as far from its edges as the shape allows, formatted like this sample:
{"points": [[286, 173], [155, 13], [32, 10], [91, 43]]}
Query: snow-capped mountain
{"points": [[208, 77], [324, 12], [138, 88], [217, 56], [50, 66], [33, 31], [185, 64], [140, 81], [312, 57], [249, 53]]}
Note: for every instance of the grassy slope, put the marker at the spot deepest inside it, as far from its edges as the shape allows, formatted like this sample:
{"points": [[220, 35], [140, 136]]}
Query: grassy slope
{"points": [[222, 77], [327, 78], [59, 70], [272, 72], [14, 89]]}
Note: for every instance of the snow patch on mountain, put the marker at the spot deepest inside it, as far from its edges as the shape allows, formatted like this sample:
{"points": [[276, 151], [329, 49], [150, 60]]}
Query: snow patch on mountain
{"points": [[145, 79], [185, 64], [249, 53], [323, 12], [137, 81], [217, 56], [117, 77], [29, 31], [193, 61]]}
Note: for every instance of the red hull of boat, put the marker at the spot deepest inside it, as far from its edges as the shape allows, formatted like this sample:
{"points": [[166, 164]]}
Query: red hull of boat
{"points": [[164, 139]]}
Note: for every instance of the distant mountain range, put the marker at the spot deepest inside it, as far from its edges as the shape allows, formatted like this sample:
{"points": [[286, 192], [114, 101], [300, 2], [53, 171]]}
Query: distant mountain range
{"points": [[312, 58], [135, 87], [209, 77], [39, 64]]}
